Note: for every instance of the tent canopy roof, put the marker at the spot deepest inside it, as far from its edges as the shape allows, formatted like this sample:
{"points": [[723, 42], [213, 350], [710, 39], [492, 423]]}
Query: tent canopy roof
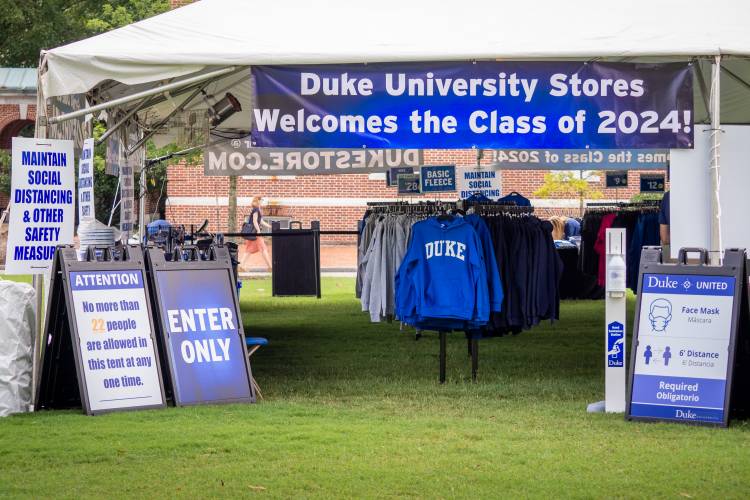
{"points": [[219, 33]]}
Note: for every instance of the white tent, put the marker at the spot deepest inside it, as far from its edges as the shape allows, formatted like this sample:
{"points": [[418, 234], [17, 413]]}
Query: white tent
{"points": [[212, 34]]}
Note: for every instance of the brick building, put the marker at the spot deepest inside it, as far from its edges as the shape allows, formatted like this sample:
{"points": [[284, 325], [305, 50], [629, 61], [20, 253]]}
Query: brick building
{"points": [[338, 201]]}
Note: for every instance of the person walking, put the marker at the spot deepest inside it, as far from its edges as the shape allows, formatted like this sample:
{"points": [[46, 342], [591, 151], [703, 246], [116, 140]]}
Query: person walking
{"points": [[255, 243]]}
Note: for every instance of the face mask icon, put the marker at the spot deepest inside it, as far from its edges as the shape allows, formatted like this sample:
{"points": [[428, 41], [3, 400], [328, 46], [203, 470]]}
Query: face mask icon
{"points": [[660, 314]]}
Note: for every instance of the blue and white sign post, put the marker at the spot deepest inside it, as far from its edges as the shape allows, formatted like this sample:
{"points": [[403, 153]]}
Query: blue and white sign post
{"points": [[86, 206], [42, 197], [479, 180]]}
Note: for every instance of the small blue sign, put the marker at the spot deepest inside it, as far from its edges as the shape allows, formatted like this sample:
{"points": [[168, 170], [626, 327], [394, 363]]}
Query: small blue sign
{"points": [[408, 184], [652, 183], [393, 173], [678, 398], [685, 284], [438, 178], [615, 344]]}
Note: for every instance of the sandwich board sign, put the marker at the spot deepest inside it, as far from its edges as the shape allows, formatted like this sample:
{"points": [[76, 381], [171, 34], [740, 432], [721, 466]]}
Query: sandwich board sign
{"points": [[200, 327], [684, 340], [101, 351]]}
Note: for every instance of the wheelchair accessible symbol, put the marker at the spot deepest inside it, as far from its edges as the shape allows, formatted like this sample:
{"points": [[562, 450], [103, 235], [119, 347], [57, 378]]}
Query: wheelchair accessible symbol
{"points": [[660, 314]]}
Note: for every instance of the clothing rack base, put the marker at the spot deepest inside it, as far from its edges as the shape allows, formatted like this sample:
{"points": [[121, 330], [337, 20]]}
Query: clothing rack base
{"points": [[473, 348]]}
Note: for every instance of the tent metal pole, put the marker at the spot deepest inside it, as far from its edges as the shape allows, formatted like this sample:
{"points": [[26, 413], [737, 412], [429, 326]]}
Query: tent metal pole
{"points": [[114, 202], [142, 200], [141, 95], [716, 243], [156, 127], [160, 98], [124, 120], [37, 281]]}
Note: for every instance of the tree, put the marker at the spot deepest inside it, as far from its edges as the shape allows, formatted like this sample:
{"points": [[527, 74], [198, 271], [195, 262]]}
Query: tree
{"points": [[28, 26], [5, 163], [571, 184]]}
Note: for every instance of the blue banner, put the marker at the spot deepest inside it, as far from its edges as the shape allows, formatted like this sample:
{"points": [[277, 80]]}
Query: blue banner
{"points": [[204, 338], [488, 104]]}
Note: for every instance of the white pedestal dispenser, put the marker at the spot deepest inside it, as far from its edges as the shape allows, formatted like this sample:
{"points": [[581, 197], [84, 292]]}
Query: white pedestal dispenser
{"points": [[614, 334]]}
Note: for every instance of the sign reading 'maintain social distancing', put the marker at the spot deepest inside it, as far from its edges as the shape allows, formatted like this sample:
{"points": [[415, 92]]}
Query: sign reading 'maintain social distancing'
{"points": [[42, 203], [482, 181], [238, 157], [487, 104]]}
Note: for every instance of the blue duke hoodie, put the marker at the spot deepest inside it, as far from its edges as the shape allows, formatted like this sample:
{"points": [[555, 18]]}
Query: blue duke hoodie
{"points": [[443, 274], [494, 283]]}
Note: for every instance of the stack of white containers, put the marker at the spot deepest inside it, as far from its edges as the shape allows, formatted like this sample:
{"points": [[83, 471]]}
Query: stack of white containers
{"points": [[94, 234]]}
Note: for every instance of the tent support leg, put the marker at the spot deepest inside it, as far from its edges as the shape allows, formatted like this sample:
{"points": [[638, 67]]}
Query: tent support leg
{"points": [[442, 356], [716, 243], [142, 200], [474, 359]]}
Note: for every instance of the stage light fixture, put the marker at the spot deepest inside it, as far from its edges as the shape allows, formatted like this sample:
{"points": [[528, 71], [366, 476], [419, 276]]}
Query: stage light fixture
{"points": [[223, 109]]}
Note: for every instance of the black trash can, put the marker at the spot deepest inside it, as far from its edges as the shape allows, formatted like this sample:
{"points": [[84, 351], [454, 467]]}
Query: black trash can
{"points": [[296, 260]]}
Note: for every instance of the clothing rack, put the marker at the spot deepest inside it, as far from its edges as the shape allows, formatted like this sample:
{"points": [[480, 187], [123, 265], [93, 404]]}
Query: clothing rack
{"points": [[648, 205], [486, 208], [500, 208]]}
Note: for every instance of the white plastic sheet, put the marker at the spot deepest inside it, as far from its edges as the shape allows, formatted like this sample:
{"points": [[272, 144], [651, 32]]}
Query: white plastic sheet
{"points": [[17, 311]]}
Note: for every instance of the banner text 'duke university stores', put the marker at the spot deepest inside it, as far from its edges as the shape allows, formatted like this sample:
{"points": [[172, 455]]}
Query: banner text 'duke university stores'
{"points": [[484, 104]]}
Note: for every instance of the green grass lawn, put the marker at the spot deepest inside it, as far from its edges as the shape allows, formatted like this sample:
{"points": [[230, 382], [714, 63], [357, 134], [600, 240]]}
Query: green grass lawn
{"points": [[354, 409], [21, 278]]}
